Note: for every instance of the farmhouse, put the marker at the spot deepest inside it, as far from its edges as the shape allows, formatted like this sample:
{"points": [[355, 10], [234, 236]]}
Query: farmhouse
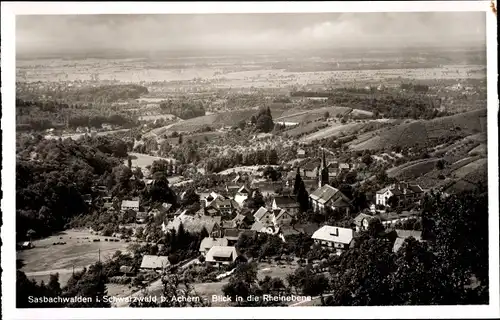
{"points": [[362, 221], [301, 153], [194, 224], [264, 216], [401, 191], [262, 228], [283, 218], [209, 242], [150, 262], [329, 197], [221, 255], [287, 203], [130, 205], [334, 238], [391, 218]]}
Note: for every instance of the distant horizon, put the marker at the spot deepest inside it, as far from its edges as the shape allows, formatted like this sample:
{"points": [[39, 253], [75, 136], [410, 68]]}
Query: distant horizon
{"points": [[180, 54]]}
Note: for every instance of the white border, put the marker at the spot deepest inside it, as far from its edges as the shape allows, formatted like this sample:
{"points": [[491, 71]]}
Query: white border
{"points": [[9, 10]]}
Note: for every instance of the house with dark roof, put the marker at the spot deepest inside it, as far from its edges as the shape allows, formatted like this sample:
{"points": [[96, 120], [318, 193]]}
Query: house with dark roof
{"points": [[329, 197], [401, 191], [287, 203]]}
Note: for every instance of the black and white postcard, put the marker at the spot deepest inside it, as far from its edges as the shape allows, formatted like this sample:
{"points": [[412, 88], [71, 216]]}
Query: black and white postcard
{"points": [[205, 157]]}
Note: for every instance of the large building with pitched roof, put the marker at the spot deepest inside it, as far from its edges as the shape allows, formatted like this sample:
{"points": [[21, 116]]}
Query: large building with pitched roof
{"points": [[329, 197]]}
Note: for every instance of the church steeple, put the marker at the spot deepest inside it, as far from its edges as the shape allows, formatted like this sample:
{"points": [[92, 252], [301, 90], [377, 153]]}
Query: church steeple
{"points": [[323, 171]]}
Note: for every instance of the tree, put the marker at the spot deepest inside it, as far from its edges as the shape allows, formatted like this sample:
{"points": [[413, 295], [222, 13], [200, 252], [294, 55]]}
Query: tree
{"points": [[90, 283], [298, 182], [180, 139], [264, 123], [129, 162], [270, 173], [393, 201], [256, 201], [315, 285], [367, 159], [326, 115], [303, 197], [190, 197], [440, 164], [242, 124]]}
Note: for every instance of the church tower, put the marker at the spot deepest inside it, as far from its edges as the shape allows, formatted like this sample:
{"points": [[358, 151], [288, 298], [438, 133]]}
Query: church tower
{"points": [[323, 171]]}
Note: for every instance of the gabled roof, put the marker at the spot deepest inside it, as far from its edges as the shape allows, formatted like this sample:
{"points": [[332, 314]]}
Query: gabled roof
{"points": [[260, 213], [334, 234], [257, 226], [221, 252], [359, 218], [154, 262], [286, 202], [209, 242], [324, 194], [282, 214]]}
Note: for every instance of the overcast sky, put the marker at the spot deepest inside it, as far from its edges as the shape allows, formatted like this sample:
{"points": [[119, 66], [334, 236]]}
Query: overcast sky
{"points": [[264, 32]]}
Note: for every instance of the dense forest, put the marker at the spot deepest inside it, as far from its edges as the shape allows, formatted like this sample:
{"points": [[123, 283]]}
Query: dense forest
{"points": [[182, 109], [42, 115], [87, 94], [412, 104], [52, 176]]}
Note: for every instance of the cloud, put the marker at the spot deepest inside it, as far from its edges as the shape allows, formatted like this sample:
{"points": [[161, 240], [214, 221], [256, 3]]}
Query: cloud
{"points": [[242, 31]]}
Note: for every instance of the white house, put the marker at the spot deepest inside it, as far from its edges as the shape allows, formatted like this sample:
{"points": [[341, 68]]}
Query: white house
{"points": [[334, 238], [402, 191], [209, 242], [130, 205], [221, 255], [150, 262]]}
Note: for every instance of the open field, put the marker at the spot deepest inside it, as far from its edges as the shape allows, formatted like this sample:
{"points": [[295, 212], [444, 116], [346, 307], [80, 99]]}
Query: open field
{"points": [[143, 160], [336, 130], [480, 150], [478, 165], [304, 115], [216, 120], [413, 169], [304, 129], [422, 131], [197, 137], [45, 258]]}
